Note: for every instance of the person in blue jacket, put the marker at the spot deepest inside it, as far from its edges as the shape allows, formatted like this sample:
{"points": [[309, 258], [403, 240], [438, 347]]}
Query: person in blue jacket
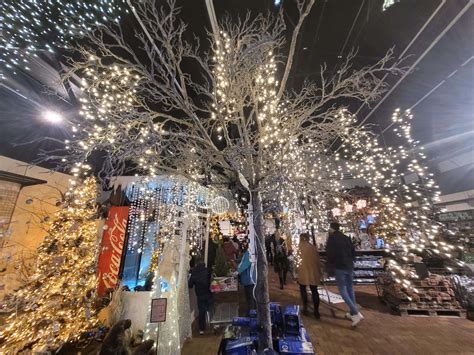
{"points": [[248, 278]]}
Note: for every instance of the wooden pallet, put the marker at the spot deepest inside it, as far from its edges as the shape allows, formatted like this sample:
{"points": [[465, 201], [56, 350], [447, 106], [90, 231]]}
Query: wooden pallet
{"points": [[415, 312]]}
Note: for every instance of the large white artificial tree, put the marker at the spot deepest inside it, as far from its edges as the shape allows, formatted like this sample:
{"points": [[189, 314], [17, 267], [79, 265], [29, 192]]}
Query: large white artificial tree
{"points": [[156, 103]]}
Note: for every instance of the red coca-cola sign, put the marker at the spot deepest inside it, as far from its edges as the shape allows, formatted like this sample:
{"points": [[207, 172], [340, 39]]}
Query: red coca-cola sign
{"points": [[112, 248]]}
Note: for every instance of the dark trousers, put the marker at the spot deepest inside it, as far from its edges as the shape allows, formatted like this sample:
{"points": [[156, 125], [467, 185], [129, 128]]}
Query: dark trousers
{"points": [[282, 276], [314, 293], [249, 298], [269, 255], [204, 305]]}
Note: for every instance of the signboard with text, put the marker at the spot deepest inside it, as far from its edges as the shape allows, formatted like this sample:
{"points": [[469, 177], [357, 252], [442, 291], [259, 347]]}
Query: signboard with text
{"points": [[158, 310], [456, 216], [110, 256]]}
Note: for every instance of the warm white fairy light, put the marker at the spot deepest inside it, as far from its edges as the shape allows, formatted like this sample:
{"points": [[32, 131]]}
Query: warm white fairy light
{"points": [[405, 210], [56, 307], [31, 26]]}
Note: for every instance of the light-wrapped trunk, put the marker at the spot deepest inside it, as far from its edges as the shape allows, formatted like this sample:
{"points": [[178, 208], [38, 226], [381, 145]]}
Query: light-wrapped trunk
{"points": [[261, 292]]}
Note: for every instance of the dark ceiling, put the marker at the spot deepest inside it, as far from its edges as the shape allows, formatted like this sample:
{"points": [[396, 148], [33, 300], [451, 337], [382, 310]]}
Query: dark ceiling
{"points": [[439, 91]]}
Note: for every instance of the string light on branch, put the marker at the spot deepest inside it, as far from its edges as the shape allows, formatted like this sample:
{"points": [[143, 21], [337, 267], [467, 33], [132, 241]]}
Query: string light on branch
{"points": [[31, 26]]}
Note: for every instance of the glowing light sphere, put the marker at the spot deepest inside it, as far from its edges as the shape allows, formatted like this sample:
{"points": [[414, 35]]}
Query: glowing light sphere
{"points": [[220, 205]]}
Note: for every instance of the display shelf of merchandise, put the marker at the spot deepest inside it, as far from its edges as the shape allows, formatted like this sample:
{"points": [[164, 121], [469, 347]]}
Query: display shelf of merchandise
{"points": [[432, 296], [367, 265], [224, 284]]}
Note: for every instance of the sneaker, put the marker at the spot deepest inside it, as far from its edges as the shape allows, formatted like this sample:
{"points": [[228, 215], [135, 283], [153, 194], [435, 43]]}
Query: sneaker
{"points": [[357, 319], [348, 316], [201, 332]]}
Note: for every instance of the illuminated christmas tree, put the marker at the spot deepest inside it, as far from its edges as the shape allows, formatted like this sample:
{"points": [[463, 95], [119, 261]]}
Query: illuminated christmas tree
{"points": [[55, 307], [215, 229], [222, 267]]}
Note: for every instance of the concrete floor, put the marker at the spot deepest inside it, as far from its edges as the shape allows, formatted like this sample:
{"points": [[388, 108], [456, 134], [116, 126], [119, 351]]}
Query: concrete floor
{"points": [[380, 333]]}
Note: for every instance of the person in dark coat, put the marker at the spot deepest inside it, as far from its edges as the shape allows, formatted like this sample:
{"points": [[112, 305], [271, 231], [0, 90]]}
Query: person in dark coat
{"points": [[340, 262], [281, 263], [200, 280], [269, 244]]}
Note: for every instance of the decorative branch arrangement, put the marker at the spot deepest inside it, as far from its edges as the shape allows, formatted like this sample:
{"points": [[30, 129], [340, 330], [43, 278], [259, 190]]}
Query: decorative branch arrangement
{"points": [[153, 102]]}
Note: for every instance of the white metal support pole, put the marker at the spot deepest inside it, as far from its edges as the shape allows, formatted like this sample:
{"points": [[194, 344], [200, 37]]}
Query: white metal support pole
{"points": [[420, 58]]}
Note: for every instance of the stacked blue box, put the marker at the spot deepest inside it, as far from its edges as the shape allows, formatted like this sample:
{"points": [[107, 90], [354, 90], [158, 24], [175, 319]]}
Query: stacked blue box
{"points": [[289, 335]]}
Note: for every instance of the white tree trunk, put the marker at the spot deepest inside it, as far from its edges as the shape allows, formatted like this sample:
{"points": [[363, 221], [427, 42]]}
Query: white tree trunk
{"points": [[262, 292]]}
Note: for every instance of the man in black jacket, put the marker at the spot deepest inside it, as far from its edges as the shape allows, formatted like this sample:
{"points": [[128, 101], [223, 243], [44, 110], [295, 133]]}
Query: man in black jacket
{"points": [[340, 260], [200, 279]]}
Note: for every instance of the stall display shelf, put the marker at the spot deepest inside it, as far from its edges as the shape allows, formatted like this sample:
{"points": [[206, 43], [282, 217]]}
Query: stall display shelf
{"points": [[227, 308], [434, 296], [367, 265]]}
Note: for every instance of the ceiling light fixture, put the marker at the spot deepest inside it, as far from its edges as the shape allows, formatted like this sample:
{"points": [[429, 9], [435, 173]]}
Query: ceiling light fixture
{"points": [[52, 117]]}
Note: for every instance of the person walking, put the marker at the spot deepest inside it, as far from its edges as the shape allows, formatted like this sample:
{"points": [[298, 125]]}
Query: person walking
{"points": [[309, 273], [200, 279], [247, 279], [340, 262], [269, 243], [281, 263]]}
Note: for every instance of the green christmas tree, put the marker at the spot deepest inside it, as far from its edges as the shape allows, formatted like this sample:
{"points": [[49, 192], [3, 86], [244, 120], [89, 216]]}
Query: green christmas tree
{"points": [[221, 267]]}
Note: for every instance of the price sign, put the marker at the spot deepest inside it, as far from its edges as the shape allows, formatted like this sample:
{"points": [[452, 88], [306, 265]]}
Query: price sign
{"points": [[158, 310]]}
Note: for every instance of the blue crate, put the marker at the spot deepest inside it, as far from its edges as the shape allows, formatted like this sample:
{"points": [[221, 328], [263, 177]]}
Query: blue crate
{"points": [[294, 347], [289, 335], [241, 346]]}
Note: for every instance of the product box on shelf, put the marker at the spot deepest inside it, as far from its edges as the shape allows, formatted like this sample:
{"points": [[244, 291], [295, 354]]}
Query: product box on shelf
{"points": [[224, 284], [434, 293]]}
